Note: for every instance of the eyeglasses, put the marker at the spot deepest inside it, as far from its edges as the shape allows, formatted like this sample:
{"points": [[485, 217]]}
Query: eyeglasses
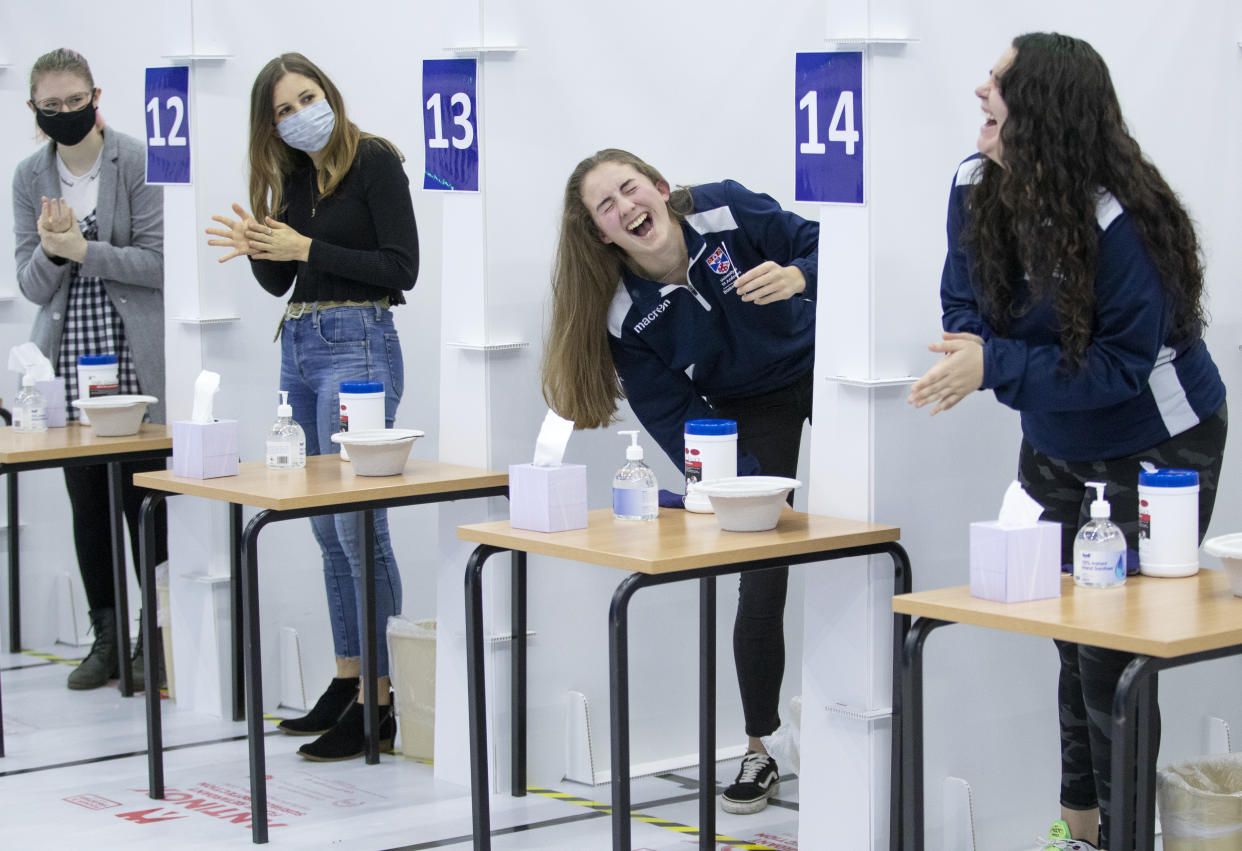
{"points": [[73, 103]]}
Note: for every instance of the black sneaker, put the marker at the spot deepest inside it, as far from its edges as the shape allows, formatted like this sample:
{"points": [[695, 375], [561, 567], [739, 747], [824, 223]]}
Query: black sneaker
{"points": [[757, 780]]}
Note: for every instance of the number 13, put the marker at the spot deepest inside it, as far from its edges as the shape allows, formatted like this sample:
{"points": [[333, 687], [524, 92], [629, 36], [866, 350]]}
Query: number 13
{"points": [[461, 119]]}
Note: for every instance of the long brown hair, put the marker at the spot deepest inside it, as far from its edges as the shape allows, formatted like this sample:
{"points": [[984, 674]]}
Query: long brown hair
{"points": [[1063, 142], [579, 379], [271, 159]]}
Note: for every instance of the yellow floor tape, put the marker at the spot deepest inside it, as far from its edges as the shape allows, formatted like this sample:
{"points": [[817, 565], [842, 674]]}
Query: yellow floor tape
{"points": [[655, 821], [51, 657]]}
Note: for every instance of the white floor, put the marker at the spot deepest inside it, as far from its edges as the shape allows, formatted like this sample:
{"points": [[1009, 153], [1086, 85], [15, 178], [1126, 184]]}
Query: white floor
{"points": [[74, 776]]}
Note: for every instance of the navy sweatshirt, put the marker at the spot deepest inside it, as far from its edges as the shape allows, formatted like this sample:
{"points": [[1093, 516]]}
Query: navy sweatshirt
{"points": [[1134, 390], [676, 346]]}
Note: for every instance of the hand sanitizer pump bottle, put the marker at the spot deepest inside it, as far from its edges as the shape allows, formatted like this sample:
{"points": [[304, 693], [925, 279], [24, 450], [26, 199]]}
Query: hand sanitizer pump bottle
{"points": [[635, 495], [286, 442], [1099, 548], [29, 409]]}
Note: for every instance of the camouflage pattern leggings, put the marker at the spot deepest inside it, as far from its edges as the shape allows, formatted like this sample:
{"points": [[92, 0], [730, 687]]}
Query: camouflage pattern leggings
{"points": [[1089, 675]]}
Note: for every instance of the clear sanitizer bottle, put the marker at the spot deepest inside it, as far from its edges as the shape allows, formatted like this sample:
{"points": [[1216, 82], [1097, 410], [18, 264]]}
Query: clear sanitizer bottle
{"points": [[635, 495], [286, 442], [30, 408], [1099, 548]]}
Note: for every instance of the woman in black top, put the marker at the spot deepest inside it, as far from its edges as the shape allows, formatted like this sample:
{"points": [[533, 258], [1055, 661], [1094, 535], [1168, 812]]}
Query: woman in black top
{"points": [[332, 217]]}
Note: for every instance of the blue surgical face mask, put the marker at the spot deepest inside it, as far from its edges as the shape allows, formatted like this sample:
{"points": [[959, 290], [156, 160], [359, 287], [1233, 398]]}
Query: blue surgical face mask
{"points": [[308, 129]]}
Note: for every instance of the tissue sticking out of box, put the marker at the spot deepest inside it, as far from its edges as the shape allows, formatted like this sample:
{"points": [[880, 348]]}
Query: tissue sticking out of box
{"points": [[1018, 510], [205, 387], [553, 438], [27, 359]]}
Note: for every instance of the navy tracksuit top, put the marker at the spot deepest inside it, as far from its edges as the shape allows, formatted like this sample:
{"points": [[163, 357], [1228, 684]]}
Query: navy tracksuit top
{"points": [[676, 346]]}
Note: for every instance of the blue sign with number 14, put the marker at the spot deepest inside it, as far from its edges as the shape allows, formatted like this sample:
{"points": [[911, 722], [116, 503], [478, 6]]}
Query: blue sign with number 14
{"points": [[829, 155], [168, 125]]}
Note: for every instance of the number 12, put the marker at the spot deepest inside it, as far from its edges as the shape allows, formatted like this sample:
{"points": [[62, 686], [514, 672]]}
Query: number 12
{"points": [[157, 140]]}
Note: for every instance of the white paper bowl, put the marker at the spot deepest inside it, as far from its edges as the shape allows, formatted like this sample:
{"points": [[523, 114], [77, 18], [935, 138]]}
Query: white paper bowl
{"points": [[1228, 548], [748, 503], [378, 452], [115, 416]]}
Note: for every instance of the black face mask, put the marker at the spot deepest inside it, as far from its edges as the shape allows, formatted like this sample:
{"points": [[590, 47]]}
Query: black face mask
{"points": [[67, 128]]}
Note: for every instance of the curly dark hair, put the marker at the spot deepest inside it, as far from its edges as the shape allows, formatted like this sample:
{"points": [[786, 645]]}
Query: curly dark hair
{"points": [[1063, 142]]}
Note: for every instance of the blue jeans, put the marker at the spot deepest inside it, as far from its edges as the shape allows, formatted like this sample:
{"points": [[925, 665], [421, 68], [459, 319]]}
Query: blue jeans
{"points": [[318, 351]]}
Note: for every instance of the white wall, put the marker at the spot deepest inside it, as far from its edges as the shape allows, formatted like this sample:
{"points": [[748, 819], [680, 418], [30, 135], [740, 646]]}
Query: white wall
{"points": [[703, 91]]}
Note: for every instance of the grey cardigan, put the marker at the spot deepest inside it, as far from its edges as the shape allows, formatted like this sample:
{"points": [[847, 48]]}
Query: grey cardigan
{"points": [[128, 256]]}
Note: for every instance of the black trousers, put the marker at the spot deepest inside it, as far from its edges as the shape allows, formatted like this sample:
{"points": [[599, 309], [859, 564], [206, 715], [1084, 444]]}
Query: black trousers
{"points": [[1089, 675], [769, 426], [92, 531]]}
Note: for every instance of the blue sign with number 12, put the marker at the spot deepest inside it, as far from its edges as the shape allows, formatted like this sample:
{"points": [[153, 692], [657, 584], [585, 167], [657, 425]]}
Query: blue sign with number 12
{"points": [[829, 155], [168, 125]]}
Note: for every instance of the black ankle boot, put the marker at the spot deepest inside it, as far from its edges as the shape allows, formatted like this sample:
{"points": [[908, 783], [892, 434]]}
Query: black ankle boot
{"points": [[346, 740], [99, 666], [138, 667], [327, 710]]}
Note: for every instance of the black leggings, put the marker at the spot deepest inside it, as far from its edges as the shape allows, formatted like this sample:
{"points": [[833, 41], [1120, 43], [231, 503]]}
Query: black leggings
{"points": [[1089, 675], [92, 532], [770, 428]]}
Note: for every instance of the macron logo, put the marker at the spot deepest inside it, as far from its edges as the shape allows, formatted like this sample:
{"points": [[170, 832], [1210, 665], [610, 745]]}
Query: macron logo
{"points": [[652, 316]]}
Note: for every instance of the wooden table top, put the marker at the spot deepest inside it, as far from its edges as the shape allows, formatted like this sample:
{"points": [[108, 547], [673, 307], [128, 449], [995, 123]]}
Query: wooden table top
{"points": [[680, 540], [1148, 615], [77, 441], [325, 480]]}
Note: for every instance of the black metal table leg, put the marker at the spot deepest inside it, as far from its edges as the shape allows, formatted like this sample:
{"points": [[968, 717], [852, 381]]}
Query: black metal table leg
{"points": [[254, 677], [707, 713], [116, 515], [1127, 729], [370, 665], [120, 586], [902, 582], [235, 612], [15, 573], [912, 731], [477, 697], [619, 704], [517, 691], [146, 561], [1148, 750], [15, 601]]}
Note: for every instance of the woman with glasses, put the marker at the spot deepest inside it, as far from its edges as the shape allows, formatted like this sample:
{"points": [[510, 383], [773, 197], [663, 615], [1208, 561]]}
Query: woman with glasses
{"points": [[332, 218], [89, 237]]}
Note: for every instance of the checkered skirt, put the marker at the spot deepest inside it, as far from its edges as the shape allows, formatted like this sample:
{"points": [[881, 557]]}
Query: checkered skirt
{"points": [[92, 327]]}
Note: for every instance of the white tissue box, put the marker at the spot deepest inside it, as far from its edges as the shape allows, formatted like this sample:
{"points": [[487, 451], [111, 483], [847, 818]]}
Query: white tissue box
{"points": [[1012, 565], [547, 499], [205, 450], [53, 392]]}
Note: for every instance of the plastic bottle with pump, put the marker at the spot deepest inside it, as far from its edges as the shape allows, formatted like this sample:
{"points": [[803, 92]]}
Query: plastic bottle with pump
{"points": [[635, 494], [286, 442], [29, 408], [1099, 548]]}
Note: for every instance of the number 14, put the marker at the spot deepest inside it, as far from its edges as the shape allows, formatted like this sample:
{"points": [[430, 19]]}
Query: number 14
{"points": [[840, 129]]}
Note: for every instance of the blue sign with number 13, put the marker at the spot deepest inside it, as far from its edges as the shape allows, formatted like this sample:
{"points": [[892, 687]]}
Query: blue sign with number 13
{"points": [[450, 123], [829, 155], [168, 125]]}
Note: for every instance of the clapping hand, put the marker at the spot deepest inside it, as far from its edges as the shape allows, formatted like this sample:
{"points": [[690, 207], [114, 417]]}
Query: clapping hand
{"points": [[958, 374], [233, 234], [59, 234], [275, 240]]}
